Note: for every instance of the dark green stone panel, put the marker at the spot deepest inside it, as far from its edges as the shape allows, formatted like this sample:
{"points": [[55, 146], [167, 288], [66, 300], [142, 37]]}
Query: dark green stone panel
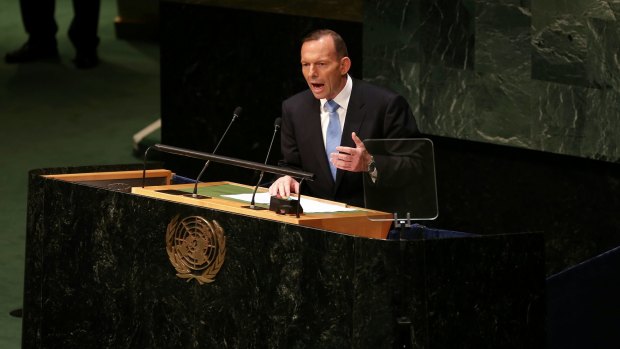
{"points": [[541, 75]]}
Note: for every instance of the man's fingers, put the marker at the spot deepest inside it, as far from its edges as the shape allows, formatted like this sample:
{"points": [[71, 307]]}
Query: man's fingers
{"points": [[345, 150], [278, 187], [335, 157], [358, 142], [284, 186], [348, 153], [274, 187], [286, 189]]}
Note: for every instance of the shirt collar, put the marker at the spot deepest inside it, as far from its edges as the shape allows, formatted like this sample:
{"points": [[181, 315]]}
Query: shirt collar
{"points": [[343, 97]]}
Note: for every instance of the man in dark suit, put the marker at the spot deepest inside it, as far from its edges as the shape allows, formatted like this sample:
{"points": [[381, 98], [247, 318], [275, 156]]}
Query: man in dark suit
{"points": [[336, 106]]}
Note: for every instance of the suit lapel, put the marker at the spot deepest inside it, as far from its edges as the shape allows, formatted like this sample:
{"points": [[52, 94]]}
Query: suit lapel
{"points": [[353, 122], [317, 144]]}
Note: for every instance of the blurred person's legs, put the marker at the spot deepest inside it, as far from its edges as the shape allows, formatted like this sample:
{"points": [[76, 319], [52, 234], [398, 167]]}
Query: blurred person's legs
{"points": [[83, 32], [39, 22]]}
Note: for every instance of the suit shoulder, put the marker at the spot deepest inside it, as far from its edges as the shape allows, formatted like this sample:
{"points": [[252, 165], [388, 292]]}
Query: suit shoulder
{"points": [[375, 90], [302, 97], [377, 95], [299, 105]]}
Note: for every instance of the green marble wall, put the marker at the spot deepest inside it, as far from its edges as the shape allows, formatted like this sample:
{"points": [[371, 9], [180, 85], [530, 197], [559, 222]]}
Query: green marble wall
{"points": [[537, 74]]}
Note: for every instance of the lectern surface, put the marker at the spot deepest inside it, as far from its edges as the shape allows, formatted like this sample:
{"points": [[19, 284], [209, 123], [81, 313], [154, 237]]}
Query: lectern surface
{"points": [[360, 222]]}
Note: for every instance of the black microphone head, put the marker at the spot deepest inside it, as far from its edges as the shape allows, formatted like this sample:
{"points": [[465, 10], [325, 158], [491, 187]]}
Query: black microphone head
{"points": [[277, 123], [237, 112]]}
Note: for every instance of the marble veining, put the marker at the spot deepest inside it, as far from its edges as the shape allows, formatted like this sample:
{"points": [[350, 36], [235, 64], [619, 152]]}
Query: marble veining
{"points": [[541, 75]]}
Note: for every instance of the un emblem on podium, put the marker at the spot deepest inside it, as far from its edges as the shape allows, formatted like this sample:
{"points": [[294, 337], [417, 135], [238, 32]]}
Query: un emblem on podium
{"points": [[196, 248]]}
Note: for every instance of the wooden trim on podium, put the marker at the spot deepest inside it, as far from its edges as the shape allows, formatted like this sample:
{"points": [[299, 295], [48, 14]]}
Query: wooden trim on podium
{"points": [[356, 223], [101, 176]]}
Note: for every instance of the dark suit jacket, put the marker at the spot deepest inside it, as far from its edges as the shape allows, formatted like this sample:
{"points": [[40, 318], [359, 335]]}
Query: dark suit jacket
{"points": [[373, 112]]}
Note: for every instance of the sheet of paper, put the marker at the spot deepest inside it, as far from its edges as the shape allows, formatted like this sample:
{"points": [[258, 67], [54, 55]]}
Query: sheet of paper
{"points": [[309, 205]]}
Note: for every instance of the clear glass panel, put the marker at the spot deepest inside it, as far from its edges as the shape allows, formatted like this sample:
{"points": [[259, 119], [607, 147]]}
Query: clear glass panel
{"points": [[405, 181]]}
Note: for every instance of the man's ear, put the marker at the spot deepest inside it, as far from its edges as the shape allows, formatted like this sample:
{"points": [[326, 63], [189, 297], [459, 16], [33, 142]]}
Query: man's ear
{"points": [[345, 65]]}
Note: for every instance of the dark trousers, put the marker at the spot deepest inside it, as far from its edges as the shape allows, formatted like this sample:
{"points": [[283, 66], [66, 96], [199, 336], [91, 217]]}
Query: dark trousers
{"points": [[38, 17]]}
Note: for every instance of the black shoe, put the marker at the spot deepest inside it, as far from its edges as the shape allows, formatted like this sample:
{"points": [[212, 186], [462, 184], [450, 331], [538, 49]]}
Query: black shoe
{"points": [[31, 53], [86, 59]]}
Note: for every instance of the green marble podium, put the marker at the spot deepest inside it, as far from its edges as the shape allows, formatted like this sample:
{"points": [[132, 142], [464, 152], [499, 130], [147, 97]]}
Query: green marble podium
{"points": [[98, 275]]}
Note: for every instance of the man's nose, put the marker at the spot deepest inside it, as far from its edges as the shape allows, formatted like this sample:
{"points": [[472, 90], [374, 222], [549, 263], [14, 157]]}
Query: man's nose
{"points": [[312, 71]]}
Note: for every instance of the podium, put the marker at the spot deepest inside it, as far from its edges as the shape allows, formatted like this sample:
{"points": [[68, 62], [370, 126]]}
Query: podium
{"points": [[361, 222], [101, 273]]}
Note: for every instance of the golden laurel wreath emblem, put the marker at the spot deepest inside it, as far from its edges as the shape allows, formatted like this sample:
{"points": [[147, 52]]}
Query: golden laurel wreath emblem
{"points": [[196, 248]]}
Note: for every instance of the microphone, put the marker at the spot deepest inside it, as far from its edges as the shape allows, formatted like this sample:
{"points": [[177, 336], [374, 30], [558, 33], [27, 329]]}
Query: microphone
{"points": [[276, 127], [194, 194]]}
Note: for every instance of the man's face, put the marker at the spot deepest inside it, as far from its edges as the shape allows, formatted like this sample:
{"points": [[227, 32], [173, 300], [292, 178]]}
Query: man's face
{"points": [[325, 74]]}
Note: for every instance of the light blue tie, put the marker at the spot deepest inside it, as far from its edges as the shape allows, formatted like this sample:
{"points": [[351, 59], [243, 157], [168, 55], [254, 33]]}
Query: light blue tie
{"points": [[334, 133]]}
